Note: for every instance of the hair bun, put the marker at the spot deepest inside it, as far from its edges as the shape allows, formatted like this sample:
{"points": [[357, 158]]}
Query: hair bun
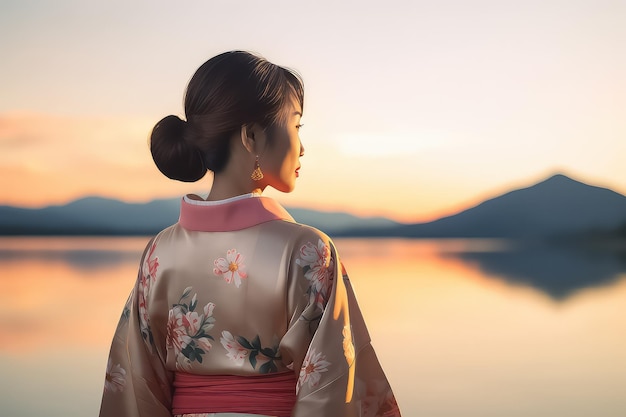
{"points": [[173, 153]]}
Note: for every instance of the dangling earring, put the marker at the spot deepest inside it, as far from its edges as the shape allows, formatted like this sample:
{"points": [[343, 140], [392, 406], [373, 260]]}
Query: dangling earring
{"points": [[257, 174]]}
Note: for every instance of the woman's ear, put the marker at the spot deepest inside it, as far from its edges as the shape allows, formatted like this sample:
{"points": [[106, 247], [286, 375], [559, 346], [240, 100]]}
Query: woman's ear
{"points": [[253, 138], [247, 138]]}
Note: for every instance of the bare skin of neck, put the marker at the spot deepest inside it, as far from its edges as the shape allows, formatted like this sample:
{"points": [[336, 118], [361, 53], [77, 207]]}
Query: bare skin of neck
{"points": [[235, 179]]}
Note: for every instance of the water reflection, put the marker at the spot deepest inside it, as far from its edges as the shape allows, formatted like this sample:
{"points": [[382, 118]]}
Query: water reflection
{"points": [[558, 270], [82, 253], [86, 260], [482, 322]]}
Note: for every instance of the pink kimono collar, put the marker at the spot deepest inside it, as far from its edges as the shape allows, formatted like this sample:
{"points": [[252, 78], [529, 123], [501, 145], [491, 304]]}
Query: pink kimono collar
{"points": [[232, 214]]}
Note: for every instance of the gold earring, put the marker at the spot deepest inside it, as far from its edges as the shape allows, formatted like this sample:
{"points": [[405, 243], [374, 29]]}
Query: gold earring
{"points": [[257, 174]]}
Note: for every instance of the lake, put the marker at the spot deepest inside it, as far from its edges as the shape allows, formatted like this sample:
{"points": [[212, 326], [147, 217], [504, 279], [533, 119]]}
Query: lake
{"points": [[466, 328]]}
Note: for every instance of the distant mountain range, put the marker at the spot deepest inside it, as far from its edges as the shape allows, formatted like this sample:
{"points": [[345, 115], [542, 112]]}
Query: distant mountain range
{"points": [[101, 216], [557, 206], [558, 270]]}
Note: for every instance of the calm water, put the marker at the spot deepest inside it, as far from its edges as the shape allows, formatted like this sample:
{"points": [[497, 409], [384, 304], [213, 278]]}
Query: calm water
{"points": [[462, 327]]}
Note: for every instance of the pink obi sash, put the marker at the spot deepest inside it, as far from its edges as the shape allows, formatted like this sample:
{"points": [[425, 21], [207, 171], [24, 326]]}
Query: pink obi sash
{"points": [[268, 394]]}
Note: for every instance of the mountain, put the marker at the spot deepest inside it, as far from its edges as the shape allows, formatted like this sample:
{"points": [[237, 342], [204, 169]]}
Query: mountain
{"points": [[337, 222], [101, 216], [557, 206], [558, 270], [90, 216]]}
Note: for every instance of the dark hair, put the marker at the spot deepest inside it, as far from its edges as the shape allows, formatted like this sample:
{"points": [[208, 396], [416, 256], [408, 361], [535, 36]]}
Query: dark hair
{"points": [[228, 91]]}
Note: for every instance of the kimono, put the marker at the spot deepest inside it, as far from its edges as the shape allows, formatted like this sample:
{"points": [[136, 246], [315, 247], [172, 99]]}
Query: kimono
{"points": [[237, 288]]}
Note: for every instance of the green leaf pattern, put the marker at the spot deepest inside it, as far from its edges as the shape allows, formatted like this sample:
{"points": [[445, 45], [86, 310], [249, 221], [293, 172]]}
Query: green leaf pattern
{"points": [[146, 279], [238, 348], [187, 329]]}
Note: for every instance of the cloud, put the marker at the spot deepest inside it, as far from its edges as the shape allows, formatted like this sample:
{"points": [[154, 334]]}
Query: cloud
{"points": [[48, 138], [48, 158], [14, 142]]}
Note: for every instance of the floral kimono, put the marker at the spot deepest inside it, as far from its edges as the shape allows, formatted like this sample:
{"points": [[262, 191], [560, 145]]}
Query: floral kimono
{"points": [[238, 290]]}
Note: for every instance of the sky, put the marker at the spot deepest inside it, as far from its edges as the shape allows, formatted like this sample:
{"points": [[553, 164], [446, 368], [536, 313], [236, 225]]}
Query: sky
{"points": [[413, 109]]}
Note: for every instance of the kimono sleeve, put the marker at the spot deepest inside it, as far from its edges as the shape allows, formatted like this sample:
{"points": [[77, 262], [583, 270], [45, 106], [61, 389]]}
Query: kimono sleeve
{"points": [[338, 372], [137, 383]]}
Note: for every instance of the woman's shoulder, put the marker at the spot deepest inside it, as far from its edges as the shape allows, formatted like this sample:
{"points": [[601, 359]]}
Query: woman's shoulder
{"points": [[304, 233]]}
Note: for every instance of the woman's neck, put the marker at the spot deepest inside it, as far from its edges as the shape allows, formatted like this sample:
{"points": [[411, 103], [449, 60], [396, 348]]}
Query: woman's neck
{"points": [[226, 186]]}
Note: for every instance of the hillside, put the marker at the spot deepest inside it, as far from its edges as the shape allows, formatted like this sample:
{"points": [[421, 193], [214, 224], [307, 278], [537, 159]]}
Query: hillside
{"points": [[556, 206], [100, 216]]}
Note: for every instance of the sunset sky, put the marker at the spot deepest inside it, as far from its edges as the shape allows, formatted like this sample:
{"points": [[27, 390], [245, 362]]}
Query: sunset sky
{"points": [[413, 109]]}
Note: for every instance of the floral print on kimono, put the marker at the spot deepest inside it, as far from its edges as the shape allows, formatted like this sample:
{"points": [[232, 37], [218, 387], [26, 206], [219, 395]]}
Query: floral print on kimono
{"points": [[238, 349], [318, 268], [147, 278], [187, 330]]}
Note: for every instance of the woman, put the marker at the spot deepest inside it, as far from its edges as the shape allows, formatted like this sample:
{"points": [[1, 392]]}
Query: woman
{"points": [[237, 308]]}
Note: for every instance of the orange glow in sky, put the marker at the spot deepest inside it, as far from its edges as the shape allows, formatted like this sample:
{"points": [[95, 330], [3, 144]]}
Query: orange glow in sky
{"points": [[411, 114]]}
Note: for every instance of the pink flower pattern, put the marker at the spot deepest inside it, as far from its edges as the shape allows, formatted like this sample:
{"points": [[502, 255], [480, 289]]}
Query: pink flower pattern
{"points": [[176, 331], [235, 351], [146, 279], [238, 349], [151, 265], [318, 267], [187, 330], [115, 378], [312, 368], [232, 268]]}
